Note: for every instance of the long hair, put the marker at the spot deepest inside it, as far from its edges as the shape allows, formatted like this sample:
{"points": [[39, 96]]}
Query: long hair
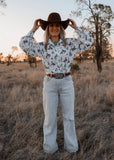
{"points": [[47, 36]]}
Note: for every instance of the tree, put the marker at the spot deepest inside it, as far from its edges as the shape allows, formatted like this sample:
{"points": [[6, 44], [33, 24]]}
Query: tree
{"points": [[1, 56], [99, 21], [32, 60], [14, 50], [3, 4], [9, 59]]}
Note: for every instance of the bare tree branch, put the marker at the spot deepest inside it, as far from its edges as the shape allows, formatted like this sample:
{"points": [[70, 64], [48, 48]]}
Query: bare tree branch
{"points": [[3, 3]]}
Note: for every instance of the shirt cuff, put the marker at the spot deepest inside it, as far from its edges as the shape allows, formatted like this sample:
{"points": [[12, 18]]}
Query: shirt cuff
{"points": [[78, 29], [30, 34]]}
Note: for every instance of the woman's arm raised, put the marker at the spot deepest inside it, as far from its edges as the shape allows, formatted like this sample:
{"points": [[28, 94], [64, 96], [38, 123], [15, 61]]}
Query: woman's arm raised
{"points": [[28, 45], [84, 40], [36, 25]]}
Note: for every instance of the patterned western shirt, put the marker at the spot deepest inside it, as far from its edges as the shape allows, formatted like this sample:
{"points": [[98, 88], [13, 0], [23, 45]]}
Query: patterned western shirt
{"points": [[57, 58]]}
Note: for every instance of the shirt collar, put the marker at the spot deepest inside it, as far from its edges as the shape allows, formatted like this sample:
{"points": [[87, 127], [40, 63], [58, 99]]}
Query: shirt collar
{"points": [[51, 43]]}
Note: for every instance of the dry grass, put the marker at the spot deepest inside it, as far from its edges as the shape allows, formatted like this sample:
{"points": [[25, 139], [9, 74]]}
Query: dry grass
{"points": [[21, 113]]}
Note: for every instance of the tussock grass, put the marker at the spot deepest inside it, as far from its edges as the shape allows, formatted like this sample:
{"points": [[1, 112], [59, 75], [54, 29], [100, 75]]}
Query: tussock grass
{"points": [[21, 113]]}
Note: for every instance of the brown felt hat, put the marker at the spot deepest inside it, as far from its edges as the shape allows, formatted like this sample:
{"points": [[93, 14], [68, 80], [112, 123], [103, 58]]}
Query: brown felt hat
{"points": [[53, 18]]}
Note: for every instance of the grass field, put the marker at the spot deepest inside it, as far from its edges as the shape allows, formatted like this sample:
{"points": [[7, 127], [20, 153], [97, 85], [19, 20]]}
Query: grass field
{"points": [[21, 113]]}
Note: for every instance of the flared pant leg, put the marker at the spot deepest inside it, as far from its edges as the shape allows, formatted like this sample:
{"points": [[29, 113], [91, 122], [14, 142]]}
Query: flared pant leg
{"points": [[50, 103], [67, 103]]}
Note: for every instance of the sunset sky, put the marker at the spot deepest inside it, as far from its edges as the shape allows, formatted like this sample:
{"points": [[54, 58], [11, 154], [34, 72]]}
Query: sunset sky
{"points": [[19, 16]]}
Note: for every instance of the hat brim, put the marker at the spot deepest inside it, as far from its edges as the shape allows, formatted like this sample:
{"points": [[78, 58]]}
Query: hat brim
{"points": [[44, 24]]}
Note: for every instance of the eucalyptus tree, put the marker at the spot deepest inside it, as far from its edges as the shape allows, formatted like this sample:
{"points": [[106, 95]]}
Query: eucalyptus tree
{"points": [[1, 56], [96, 17], [2, 4]]}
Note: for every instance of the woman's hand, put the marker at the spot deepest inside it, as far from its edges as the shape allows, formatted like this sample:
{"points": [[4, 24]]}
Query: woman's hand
{"points": [[36, 25], [72, 23]]}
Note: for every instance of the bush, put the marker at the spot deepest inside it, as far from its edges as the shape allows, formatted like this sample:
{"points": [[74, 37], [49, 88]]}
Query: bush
{"points": [[74, 68]]}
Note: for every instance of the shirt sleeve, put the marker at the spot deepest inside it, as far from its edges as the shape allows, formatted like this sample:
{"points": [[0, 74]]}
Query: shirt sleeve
{"points": [[83, 42], [31, 48]]}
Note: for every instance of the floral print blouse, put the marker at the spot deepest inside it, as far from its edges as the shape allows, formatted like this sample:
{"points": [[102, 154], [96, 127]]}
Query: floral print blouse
{"points": [[57, 58]]}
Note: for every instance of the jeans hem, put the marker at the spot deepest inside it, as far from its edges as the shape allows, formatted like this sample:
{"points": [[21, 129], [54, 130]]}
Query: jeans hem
{"points": [[71, 151], [51, 151]]}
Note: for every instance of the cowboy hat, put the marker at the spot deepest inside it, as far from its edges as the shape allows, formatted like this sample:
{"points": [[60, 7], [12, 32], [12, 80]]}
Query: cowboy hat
{"points": [[53, 18]]}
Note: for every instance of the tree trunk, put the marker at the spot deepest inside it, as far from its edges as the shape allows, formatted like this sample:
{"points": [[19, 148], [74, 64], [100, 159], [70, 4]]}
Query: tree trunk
{"points": [[98, 47]]}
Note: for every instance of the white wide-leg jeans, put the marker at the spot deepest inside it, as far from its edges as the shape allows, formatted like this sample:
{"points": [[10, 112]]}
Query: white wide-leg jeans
{"points": [[53, 91]]}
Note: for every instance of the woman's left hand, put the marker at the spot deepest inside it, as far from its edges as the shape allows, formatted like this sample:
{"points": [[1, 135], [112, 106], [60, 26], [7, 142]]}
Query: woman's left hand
{"points": [[72, 23]]}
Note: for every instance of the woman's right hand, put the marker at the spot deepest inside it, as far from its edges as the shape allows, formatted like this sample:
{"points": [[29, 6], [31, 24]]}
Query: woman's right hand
{"points": [[36, 25]]}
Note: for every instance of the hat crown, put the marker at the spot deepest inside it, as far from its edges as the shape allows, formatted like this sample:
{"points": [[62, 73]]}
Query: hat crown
{"points": [[54, 17]]}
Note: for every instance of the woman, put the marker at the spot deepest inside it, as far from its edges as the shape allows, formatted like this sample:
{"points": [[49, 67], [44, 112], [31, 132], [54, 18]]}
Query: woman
{"points": [[57, 55]]}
